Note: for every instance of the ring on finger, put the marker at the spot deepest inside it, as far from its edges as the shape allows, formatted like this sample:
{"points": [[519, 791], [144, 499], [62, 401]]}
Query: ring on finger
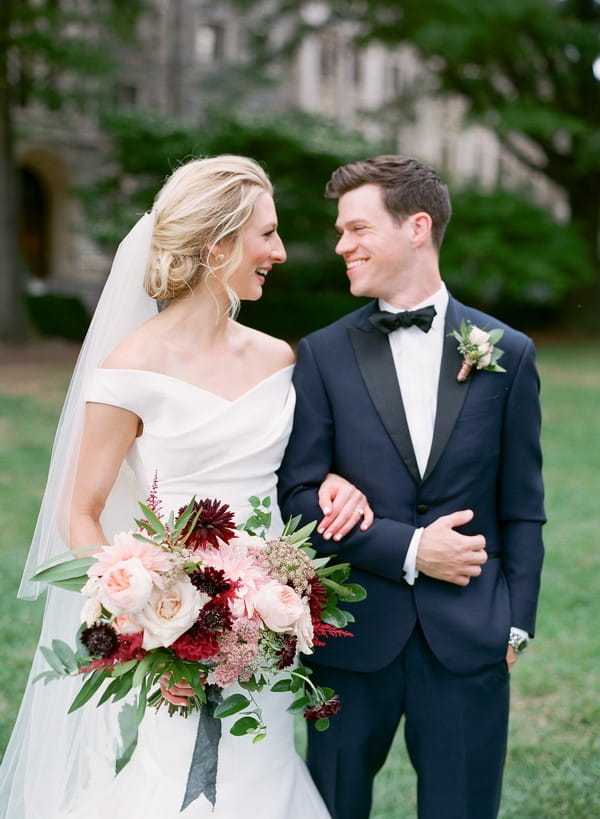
{"points": [[360, 511]]}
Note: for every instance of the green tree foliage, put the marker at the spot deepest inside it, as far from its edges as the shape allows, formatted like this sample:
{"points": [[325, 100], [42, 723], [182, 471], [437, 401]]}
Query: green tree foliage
{"points": [[507, 255], [53, 53], [490, 257], [525, 68], [298, 151]]}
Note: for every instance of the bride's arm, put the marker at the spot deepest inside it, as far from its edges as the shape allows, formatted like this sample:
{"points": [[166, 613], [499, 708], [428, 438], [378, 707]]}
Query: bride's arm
{"points": [[343, 506], [108, 432]]}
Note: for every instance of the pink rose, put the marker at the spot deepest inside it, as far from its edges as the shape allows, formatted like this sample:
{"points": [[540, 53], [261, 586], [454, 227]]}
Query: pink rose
{"points": [[125, 587], [170, 612], [284, 611], [478, 336]]}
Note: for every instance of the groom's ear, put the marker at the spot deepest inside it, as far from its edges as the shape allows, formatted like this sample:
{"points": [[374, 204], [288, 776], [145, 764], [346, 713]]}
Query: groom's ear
{"points": [[420, 224]]}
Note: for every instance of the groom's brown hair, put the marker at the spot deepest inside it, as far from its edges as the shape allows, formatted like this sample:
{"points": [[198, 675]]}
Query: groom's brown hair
{"points": [[407, 185]]}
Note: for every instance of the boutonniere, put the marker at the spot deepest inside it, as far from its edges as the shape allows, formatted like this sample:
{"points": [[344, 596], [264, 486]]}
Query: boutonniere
{"points": [[478, 349]]}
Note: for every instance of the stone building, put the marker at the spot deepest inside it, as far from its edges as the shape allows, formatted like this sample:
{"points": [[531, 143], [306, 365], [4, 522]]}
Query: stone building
{"points": [[181, 53]]}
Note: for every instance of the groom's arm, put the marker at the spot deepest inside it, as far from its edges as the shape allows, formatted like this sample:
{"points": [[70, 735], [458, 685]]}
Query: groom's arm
{"points": [[309, 457], [521, 493]]}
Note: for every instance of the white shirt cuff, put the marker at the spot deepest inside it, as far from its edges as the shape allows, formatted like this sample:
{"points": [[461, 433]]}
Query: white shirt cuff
{"points": [[521, 632], [410, 562]]}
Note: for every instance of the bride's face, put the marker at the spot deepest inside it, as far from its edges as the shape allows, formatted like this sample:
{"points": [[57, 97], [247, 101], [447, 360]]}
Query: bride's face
{"points": [[261, 249]]}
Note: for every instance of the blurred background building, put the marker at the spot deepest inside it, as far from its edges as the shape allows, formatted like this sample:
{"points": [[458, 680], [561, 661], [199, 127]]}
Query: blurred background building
{"points": [[184, 54]]}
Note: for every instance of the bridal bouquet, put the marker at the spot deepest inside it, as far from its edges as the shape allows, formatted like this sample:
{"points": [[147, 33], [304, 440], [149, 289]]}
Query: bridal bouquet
{"points": [[189, 598]]}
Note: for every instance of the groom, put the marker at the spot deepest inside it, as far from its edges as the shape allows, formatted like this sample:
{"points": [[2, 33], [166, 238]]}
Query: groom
{"points": [[452, 470]]}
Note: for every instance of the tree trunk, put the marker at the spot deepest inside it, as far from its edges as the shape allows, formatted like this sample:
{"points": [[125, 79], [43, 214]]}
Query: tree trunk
{"points": [[14, 325]]}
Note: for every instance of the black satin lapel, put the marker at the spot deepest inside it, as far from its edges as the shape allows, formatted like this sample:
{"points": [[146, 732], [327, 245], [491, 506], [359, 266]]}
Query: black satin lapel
{"points": [[376, 365], [451, 393]]}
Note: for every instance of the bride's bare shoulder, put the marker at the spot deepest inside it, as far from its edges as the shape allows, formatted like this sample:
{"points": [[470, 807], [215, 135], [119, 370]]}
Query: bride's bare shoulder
{"points": [[276, 351], [138, 351]]}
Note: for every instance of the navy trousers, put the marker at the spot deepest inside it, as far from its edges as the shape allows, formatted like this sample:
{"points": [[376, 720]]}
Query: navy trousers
{"points": [[455, 729]]}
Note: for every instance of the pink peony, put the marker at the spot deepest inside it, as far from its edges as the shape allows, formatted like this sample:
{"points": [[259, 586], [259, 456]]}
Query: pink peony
{"points": [[124, 547]]}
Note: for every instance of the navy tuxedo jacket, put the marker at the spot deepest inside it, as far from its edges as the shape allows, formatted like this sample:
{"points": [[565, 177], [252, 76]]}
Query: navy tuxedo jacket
{"points": [[485, 456]]}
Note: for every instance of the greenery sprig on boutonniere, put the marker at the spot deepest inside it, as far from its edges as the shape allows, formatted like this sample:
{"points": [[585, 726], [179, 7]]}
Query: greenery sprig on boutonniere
{"points": [[478, 349]]}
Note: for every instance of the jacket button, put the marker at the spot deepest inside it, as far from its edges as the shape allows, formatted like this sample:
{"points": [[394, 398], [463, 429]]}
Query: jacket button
{"points": [[422, 508]]}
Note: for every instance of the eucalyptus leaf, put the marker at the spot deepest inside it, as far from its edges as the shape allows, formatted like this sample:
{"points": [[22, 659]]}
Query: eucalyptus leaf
{"points": [[53, 661], [70, 569], [282, 685], [358, 592], [335, 617], [258, 737], [66, 655], [299, 705], [245, 725], [322, 724], [231, 705]]}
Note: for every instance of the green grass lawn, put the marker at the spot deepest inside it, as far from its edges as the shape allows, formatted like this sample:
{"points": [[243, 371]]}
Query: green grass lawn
{"points": [[553, 766]]}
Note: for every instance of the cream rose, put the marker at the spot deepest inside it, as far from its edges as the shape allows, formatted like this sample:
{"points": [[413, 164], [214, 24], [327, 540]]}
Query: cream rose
{"points": [[478, 336], [284, 611], [484, 361], [170, 612], [125, 587]]}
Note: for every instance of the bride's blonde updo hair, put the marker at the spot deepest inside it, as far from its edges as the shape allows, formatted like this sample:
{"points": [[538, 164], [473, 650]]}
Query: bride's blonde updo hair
{"points": [[203, 205]]}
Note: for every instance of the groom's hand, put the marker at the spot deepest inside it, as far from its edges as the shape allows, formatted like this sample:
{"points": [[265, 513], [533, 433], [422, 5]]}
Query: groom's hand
{"points": [[446, 554]]}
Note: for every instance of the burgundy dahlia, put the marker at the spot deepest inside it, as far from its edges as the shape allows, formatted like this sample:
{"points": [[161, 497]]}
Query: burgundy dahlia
{"points": [[325, 710], [215, 522], [100, 639], [210, 581], [287, 653]]}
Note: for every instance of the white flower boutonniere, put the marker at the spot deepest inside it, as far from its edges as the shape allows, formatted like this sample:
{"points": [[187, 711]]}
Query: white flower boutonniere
{"points": [[478, 348]]}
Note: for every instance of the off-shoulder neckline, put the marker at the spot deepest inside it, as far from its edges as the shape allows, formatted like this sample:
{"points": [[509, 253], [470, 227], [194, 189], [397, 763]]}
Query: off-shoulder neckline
{"points": [[191, 386]]}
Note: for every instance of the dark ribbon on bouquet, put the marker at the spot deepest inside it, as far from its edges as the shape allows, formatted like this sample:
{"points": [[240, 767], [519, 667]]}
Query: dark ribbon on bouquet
{"points": [[202, 776], [388, 322]]}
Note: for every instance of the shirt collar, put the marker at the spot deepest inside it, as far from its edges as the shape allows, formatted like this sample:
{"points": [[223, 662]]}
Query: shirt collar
{"points": [[439, 300]]}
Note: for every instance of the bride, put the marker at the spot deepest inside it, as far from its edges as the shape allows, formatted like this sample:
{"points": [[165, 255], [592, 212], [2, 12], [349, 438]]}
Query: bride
{"points": [[205, 403]]}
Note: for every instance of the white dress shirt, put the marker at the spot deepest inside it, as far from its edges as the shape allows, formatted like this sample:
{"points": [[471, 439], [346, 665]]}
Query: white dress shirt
{"points": [[417, 359]]}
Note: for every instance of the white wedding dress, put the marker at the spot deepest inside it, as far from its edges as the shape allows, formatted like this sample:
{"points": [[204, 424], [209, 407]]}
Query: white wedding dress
{"points": [[198, 444]]}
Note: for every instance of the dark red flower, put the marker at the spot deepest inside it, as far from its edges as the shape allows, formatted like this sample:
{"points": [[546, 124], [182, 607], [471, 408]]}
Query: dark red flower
{"points": [[324, 710], [101, 640], [196, 644], [316, 603], [215, 522], [287, 653], [210, 581], [130, 647], [215, 616]]}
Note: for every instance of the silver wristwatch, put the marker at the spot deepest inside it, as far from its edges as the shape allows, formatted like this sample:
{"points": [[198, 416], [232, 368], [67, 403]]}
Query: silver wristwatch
{"points": [[518, 641]]}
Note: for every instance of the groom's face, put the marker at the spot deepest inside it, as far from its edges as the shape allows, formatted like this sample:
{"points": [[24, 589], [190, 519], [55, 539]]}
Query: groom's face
{"points": [[376, 248]]}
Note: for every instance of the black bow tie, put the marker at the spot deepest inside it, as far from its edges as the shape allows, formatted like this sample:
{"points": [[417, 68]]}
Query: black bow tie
{"points": [[387, 322]]}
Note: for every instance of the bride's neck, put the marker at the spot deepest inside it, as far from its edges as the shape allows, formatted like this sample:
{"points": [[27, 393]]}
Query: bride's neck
{"points": [[200, 316]]}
